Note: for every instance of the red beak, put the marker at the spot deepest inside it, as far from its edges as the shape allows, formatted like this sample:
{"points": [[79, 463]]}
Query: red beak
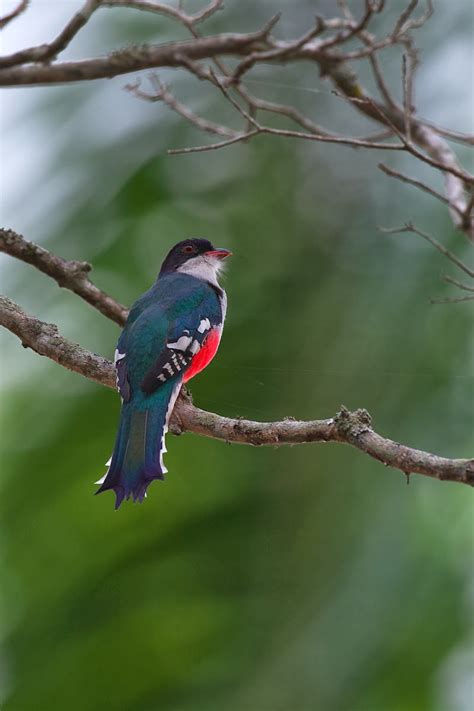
{"points": [[219, 253]]}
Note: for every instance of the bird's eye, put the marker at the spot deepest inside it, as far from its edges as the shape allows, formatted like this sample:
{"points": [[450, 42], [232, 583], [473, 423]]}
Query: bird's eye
{"points": [[189, 249]]}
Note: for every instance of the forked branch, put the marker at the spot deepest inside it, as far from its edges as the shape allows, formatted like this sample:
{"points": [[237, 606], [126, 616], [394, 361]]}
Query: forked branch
{"points": [[324, 43], [334, 45], [69, 274], [352, 428]]}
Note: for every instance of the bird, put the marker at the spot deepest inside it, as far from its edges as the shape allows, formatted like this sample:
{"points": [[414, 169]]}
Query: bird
{"points": [[171, 334]]}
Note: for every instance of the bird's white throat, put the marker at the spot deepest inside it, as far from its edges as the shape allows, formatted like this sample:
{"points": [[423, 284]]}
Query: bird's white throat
{"points": [[202, 267]]}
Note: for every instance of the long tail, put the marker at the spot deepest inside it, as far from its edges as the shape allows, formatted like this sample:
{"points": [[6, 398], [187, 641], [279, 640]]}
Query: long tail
{"points": [[137, 458]]}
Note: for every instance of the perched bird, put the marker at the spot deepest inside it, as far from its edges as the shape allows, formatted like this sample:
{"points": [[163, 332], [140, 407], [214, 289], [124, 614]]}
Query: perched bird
{"points": [[171, 334]]}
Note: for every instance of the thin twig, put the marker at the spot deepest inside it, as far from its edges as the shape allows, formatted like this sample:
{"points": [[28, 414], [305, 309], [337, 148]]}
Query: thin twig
{"points": [[459, 284], [284, 110], [451, 299], [354, 29], [409, 61], [386, 118], [458, 136], [404, 17], [277, 53], [354, 142], [286, 133], [245, 114], [213, 146], [168, 10], [6, 19], [162, 93], [409, 227], [46, 52], [380, 81], [418, 184]]}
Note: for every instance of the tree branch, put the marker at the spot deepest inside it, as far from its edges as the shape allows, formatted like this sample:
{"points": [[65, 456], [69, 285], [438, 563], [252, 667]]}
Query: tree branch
{"points": [[36, 65], [69, 274], [45, 339], [418, 184], [168, 10], [6, 19], [136, 58], [46, 52], [162, 93], [408, 227], [353, 428], [259, 47]]}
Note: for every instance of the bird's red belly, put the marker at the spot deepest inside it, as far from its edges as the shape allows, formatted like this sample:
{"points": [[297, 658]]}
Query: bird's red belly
{"points": [[205, 355]]}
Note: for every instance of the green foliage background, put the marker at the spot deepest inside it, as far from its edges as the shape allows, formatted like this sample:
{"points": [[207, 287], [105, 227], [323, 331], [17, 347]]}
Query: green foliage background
{"points": [[298, 579]]}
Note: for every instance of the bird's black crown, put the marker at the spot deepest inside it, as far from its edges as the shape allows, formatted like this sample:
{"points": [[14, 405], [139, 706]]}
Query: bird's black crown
{"points": [[184, 250]]}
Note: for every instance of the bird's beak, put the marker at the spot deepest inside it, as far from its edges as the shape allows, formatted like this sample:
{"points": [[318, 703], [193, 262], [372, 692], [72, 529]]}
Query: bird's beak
{"points": [[218, 253]]}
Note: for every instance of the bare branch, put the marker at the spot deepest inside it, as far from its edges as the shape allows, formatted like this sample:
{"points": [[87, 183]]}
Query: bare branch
{"points": [[399, 34], [35, 65], [137, 58], [67, 273], [45, 339], [45, 52], [459, 284], [286, 133], [353, 428], [257, 128], [380, 81], [354, 28], [162, 93], [353, 142], [214, 146], [441, 158], [6, 19], [276, 53], [418, 184], [222, 86], [455, 184], [400, 25], [452, 300], [409, 62], [304, 121], [408, 227], [261, 47], [284, 110], [344, 8], [458, 136], [206, 11], [416, 23], [168, 10]]}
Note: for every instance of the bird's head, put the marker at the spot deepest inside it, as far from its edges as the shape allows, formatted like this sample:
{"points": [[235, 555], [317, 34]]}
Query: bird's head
{"points": [[197, 257]]}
